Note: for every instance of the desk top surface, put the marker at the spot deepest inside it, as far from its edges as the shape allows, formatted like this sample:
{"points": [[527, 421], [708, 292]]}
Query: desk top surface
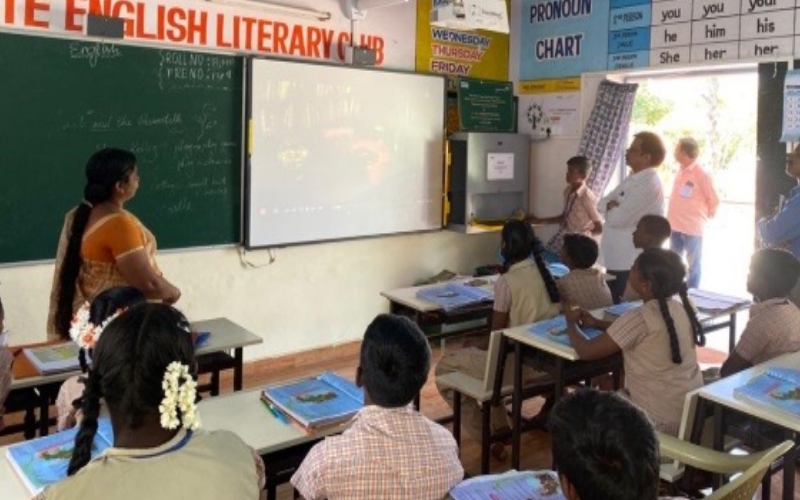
{"points": [[225, 334], [408, 296], [244, 413], [241, 412], [721, 392], [523, 335]]}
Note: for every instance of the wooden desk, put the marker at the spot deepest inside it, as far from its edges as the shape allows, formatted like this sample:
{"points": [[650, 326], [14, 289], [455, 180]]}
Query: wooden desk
{"points": [[404, 301], [559, 360], [225, 335], [719, 395], [282, 446]]}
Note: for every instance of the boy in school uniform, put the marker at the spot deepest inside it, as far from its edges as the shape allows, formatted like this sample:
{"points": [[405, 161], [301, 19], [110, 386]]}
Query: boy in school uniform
{"points": [[774, 325], [580, 214], [604, 448], [584, 284], [390, 450], [652, 231]]}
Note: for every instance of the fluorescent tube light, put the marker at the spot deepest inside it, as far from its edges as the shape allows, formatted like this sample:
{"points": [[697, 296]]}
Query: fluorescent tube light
{"points": [[286, 10]]}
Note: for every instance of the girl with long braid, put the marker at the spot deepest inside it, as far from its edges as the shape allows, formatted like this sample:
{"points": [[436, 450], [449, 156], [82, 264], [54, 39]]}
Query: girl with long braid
{"points": [[87, 325], [142, 367], [524, 293], [657, 340]]}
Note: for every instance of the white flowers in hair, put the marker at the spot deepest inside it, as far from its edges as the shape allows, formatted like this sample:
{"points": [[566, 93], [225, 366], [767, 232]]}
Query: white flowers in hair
{"points": [[85, 333], [180, 392]]}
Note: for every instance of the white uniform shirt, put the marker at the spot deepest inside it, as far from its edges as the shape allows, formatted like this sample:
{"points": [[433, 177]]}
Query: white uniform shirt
{"points": [[639, 194]]}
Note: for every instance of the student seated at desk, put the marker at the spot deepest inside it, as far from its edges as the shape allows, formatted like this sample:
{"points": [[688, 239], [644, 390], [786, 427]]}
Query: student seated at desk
{"points": [[390, 450], [6, 360], [142, 367], [584, 285], [652, 231], [87, 325], [657, 340], [774, 325], [525, 293], [604, 448]]}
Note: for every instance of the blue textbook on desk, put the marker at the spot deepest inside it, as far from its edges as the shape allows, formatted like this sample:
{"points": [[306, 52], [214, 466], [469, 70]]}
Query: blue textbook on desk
{"points": [[511, 485], [556, 329], [326, 399], [43, 461], [455, 295], [777, 388], [623, 307]]}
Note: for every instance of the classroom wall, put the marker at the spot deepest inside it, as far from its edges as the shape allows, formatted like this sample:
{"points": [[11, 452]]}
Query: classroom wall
{"points": [[311, 295]]}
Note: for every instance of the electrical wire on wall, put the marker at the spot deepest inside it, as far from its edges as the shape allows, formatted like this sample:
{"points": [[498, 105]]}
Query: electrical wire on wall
{"points": [[252, 265]]}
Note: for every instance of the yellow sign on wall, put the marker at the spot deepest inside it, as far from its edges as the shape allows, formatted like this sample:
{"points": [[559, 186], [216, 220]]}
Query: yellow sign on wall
{"points": [[476, 54]]}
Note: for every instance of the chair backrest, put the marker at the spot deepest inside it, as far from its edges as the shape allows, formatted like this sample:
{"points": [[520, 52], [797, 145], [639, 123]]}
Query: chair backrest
{"points": [[492, 359], [746, 484]]}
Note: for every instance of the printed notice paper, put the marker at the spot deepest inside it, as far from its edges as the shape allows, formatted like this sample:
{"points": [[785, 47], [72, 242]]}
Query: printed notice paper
{"points": [[500, 167]]}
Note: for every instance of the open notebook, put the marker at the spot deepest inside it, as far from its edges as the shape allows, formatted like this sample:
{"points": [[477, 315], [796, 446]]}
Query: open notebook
{"points": [[511, 485]]}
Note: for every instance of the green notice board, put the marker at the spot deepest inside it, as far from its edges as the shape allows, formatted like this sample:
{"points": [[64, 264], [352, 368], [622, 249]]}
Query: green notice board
{"points": [[180, 112], [485, 106]]}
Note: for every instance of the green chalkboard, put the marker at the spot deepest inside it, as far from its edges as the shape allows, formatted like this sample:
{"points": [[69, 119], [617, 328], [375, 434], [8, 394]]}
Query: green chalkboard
{"points": [[180, 112]]}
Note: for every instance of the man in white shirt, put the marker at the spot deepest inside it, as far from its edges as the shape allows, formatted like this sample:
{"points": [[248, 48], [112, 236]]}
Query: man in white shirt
{"points": [[639, 194]]}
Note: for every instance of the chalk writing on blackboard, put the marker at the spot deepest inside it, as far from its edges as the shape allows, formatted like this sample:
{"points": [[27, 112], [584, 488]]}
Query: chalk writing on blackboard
{"points": [[185, 70], [93, 52]]}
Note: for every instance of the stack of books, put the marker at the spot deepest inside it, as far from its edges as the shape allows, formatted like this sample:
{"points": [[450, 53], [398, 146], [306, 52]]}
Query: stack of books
{"points": [[54, 358], [326, 399]]}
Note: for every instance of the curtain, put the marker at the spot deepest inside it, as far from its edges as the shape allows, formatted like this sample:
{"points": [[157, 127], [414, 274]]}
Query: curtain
{"points": [[604, 138]]}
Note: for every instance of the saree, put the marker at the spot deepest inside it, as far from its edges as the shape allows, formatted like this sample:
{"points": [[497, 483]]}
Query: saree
{"points": [[106, 240]]}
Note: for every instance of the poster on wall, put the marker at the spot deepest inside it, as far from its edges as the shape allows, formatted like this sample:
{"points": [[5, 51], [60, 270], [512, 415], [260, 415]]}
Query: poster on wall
{"points": [[791, 107], [561, 38], [550, 108], [475, 54], [485, 106]]}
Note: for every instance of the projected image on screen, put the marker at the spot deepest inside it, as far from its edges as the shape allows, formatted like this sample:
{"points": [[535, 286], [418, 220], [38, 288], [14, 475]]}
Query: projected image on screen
{"points": [[339, 152]]}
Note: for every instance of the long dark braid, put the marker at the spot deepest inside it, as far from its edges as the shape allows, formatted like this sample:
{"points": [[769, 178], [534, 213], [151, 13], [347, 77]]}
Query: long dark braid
{"points": [[91, 411], [697, 327], [537, 249], [104, 170], [674, 346], [519, 242], [129, 363], [665, 272]]}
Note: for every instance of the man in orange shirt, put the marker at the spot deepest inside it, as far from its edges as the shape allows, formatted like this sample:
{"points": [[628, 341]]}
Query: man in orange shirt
{"points": [[692, 202]]}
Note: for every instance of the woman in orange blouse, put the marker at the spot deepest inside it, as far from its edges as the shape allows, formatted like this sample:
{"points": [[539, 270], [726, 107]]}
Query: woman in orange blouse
{"points": [[102, 245]]}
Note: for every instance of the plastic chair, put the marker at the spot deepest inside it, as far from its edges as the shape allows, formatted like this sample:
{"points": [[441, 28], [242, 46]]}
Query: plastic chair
{"points": [[752, 467], [482, 391]]}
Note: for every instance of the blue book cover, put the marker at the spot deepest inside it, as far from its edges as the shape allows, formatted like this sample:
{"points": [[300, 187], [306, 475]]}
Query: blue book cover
{"points": [[777, 387], [512, 485], [454, 295], [315, 402], [557, 269], [555, 329], [623, 307], [43, 461]]}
